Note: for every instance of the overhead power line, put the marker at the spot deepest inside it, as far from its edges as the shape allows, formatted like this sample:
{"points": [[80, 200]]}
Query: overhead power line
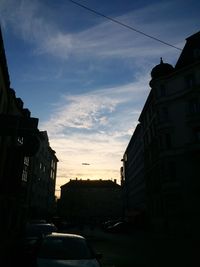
{"points": [[123, 24]]}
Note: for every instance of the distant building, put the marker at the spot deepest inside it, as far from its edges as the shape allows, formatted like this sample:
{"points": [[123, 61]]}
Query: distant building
{"points": [[90, 200], [170, 140], [42, 180]]}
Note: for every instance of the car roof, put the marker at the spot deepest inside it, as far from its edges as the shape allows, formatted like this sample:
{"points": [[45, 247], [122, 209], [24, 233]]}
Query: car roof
{"points": [[42, 224], [65, 235]]}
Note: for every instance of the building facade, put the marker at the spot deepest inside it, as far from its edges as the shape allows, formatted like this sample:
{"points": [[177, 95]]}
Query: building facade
{"points": [[25, 157], [42, 180], [18, 141], [170, 130], [133, 172], [87, 201]]}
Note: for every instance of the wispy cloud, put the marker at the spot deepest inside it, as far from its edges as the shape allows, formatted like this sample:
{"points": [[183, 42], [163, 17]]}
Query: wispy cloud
{"points": [[97, 108], [104, 40], [95, 127]]}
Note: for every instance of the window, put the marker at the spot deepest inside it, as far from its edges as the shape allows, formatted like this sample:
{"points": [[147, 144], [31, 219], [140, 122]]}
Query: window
{"points": [[160, 140], [162, 91], [163, 114], [20, 140], [172, 170], [189, 81], [194, 106], [168, 143], [25, 169], [197, 134], [196, 53], [1, 98], [24, 175], [26, 161], [125, 157]]}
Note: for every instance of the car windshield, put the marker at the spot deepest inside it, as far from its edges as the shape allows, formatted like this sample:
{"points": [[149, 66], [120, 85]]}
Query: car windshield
{"points": [[38, 229], [65, 248]]}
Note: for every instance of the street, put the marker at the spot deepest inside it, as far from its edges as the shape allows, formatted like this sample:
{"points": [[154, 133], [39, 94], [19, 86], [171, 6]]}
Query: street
{"points": [[142, 249], [128, 250]]}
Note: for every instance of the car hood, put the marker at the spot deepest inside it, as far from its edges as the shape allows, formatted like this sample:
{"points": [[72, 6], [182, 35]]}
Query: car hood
{"points": [[67, 263]]}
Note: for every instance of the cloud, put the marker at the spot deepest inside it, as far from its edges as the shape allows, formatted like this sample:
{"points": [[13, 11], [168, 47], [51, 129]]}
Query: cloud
{"points": [[107, 39], [92, 110], [94, 127]]}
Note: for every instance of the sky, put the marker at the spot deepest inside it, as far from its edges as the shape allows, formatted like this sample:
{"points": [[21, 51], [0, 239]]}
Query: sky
{"points": [[86, 77]]}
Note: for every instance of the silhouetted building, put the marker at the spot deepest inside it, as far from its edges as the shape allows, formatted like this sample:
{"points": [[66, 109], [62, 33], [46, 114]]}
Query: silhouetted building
{"points": [[28, 165], [42, 180], [88, 201], [133, 172], [170, 133], [18, 141]]}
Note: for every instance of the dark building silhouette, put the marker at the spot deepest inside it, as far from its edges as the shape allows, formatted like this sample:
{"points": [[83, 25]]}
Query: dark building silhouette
{"points": [[132, 174], [88, 201], [18, 140], [20, 144], [42, 180], [161, 175]]}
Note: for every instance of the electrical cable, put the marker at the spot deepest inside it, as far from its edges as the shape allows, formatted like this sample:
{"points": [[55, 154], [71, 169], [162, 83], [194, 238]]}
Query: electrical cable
{"points": [[123, 24]]}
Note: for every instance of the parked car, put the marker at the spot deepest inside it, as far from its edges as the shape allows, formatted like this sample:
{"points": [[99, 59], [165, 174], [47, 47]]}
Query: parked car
{"points": [[34, 232], [119, 227], [37, 230], [111, 222], [59, 249], [108, 223], [38, 221]]}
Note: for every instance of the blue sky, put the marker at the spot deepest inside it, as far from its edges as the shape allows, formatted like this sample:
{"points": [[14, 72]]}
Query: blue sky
{"points": [[87, 78]]}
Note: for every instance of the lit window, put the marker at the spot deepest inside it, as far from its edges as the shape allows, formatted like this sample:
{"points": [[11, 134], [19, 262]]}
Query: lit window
{"points": [[24, 176], [20, 140], [26, 161]]}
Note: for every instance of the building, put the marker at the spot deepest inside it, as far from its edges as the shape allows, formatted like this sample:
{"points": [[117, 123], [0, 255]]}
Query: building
{"points": [[170, 132], [133, 173], [28, 165], [88, 201], [18, 141], [42, 180]]}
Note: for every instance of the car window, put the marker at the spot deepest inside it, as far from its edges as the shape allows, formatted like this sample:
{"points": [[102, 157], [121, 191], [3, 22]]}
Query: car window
{"points": [[38, 229], [65, 248]]}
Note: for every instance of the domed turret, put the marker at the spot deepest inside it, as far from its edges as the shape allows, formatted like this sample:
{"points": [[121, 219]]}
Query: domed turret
{"points": [[161, 69]]}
